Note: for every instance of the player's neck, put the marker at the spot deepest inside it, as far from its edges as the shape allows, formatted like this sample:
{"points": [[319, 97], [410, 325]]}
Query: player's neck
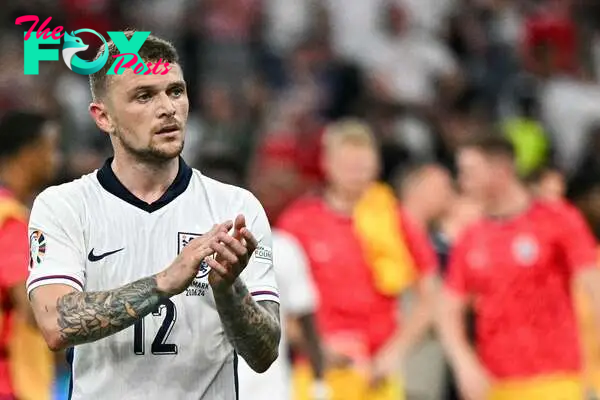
{"points": [[509, 202], [16, 181], [146, 181]]}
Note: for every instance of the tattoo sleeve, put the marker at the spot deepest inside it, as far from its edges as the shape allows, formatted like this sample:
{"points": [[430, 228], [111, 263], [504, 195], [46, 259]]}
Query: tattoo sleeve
{"points": [[252, 328], [86, 317]]}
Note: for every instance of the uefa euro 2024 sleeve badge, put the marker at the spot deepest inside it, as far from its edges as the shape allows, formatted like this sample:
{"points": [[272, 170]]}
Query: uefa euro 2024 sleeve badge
{"points": [[37, 248]]}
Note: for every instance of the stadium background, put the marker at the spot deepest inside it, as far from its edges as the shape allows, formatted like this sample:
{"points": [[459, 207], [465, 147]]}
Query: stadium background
{"points": [[266, 76]]}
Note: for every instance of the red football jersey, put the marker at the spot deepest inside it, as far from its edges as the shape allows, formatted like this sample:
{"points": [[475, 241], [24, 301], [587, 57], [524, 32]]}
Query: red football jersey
{"points": [[348, 299], [519, 273], [14, 249]]}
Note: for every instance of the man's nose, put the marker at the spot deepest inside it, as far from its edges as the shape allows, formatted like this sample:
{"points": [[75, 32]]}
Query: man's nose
{"points": [[166, 106]]}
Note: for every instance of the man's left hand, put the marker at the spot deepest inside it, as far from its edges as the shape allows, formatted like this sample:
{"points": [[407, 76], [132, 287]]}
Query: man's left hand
{"points": [[232, 255]]}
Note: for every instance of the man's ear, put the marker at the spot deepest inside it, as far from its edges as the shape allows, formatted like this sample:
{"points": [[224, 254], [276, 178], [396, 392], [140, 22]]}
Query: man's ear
{"points": [[98, 111]]}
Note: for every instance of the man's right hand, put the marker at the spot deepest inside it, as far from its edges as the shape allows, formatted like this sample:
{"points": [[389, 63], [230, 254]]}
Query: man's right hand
{"points": [[180, 274], [473, 380]]}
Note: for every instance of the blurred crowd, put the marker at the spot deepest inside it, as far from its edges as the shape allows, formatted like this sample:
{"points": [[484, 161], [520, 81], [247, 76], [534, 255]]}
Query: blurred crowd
{"points": [[266, 77]]}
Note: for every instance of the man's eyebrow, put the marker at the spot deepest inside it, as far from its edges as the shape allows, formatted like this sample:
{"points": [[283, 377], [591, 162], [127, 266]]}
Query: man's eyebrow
{"points": [[149, 88], [152, 88], [177, 83]]}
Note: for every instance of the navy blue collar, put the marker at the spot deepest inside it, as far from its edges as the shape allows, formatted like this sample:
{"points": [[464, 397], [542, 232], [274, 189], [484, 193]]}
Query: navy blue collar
{"points": [[111, 184]]}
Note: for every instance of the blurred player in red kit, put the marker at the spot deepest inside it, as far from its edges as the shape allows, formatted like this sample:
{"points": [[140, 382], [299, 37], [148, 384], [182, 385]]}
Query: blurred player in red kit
{"points": [[518, 265], [28, 155], [363, 251]]}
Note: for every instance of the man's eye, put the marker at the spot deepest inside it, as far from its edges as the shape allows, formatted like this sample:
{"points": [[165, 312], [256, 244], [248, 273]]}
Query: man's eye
{"points": [[177, 92], [143, 97]]}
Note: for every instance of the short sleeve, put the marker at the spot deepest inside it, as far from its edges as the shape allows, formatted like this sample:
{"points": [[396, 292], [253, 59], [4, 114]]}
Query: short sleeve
{"points": [[419, 245], [576, 239], [259, 275], [15, 253], [298, 293], [55, 244], [456, 274]]}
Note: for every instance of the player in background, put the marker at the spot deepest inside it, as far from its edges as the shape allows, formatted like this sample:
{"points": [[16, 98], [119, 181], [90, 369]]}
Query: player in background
{"points": [[154, 276], [517, 265], [548, 184], [425, 190], [28, 162], [462, 211], [363, 252], [427, 194], [298, 305]]}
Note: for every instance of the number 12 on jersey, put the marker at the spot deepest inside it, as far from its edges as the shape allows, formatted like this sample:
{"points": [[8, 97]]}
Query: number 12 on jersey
{"points": [[159, 344]]}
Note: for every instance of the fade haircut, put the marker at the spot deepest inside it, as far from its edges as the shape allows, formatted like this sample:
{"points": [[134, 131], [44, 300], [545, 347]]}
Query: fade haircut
{"points": [[492, 145], [348, 131], [153, 49]]}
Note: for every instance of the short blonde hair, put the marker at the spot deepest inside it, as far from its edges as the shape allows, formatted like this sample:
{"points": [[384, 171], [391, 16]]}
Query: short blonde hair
{"points": [[348, 131]]}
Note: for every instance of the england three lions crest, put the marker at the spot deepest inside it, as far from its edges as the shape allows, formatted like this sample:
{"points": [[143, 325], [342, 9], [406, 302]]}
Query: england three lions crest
{"points": [[526, 250], [183, 239]]}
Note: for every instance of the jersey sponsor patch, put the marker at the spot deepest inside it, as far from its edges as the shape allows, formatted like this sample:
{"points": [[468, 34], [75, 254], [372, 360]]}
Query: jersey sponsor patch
{"points": [[263, 254], [37, 248]]}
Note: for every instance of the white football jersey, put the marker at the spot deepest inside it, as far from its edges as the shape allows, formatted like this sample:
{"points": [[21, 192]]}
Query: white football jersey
{"points": [[95, 235]]}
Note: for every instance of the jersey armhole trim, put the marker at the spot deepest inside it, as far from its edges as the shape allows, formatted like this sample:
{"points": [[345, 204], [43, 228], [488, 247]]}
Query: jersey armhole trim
{"points": [[265, 295], [53, 280]]}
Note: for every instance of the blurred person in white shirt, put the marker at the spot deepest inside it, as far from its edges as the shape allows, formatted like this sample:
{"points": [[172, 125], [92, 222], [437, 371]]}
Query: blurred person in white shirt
{"points": [[406, 64], [299, 300], [354, 26], [430, 15]]}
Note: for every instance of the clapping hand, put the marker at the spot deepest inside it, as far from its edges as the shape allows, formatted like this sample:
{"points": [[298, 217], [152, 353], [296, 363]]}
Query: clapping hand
{"points": [[232, 253], [182, 271]]}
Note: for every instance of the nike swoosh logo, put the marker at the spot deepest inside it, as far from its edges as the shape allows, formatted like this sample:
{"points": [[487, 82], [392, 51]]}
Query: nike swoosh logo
{"points": [[93, 257]]}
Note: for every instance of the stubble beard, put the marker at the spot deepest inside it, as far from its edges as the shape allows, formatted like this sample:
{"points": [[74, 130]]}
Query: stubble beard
{"points": [[152, 154]]}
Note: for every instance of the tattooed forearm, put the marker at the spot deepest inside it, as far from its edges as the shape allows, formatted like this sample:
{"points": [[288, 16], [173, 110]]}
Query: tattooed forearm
{"points": [[86, 317], [252, 328]]}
